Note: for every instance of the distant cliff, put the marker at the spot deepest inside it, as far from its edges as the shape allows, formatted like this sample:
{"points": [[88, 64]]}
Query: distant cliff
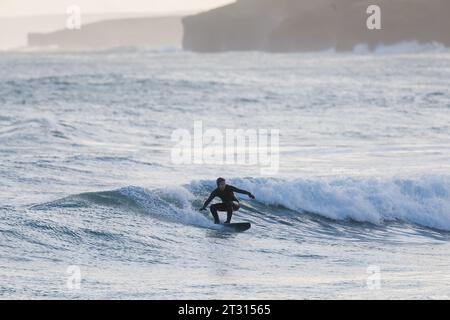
{"points": [[303, 25], [148, 32]]}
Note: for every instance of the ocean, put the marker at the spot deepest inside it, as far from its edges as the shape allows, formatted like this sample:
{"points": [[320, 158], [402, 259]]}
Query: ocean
{"points": [[94, 205]]}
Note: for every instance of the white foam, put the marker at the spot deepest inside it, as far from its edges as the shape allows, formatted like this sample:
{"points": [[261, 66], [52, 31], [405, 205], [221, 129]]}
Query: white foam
{"points": [[424, 200], [401, 47]]}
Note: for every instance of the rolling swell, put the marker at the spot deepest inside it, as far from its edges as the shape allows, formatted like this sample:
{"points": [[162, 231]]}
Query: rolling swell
{"points": [[421, 201], [168, 204], [134, 223]]}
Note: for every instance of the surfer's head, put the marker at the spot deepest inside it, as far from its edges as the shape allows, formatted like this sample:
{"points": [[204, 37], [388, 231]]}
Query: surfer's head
{"points": [[221, 183]]}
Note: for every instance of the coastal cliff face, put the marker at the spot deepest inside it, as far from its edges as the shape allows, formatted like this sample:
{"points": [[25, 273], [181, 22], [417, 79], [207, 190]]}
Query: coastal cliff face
{"points": [[148, 32], [304, 25]]}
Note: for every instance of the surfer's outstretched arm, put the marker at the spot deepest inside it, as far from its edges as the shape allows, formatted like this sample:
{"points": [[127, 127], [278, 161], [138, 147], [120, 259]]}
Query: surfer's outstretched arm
{"points": [[237, 190]]}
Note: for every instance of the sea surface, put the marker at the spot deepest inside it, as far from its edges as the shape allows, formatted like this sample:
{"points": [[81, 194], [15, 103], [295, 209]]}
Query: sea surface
{"points": [[93, 205]]}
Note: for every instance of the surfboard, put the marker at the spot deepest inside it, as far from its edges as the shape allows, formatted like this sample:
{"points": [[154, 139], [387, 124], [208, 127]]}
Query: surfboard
{"points": [[238, 227]]}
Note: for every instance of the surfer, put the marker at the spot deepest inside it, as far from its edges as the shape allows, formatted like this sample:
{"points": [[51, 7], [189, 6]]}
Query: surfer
{"points": [[229, 202]]}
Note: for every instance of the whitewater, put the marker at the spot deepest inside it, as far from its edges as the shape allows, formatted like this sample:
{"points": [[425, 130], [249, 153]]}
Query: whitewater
{"points": [[359, 208]]}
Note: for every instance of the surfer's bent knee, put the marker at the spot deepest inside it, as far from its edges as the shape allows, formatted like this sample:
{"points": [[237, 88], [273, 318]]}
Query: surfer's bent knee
{"points": [[233, 205]]}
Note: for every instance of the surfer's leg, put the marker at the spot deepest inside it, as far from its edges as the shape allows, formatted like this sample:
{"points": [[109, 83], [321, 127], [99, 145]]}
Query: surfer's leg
{"points": [[214, 213], [230, 207]]}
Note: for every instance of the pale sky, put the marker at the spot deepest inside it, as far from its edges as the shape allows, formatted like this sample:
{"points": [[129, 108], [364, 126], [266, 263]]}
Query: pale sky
{"points": [[20, 17], [13, 8]]}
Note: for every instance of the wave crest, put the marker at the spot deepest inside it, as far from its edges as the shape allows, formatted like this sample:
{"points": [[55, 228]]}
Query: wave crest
{"points": [[424, 201]]}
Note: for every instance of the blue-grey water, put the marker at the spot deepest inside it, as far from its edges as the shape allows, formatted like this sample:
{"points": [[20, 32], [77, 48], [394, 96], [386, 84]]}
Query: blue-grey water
{"points": [[359, 208]]}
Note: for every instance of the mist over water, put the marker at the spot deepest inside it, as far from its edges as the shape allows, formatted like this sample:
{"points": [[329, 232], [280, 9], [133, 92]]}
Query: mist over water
{"points": [[86, 176]]}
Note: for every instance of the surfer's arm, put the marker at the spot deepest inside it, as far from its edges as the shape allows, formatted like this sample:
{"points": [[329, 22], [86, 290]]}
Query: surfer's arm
{"points": [[237, 190], [211, 197]]}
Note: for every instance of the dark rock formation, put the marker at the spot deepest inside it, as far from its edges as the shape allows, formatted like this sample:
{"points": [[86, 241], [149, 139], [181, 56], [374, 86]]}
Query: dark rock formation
{"points": [[148, 32], [306, 25]]}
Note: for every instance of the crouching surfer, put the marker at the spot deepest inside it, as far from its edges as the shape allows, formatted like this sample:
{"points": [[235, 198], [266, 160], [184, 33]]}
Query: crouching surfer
{"points": [[229, 202]]}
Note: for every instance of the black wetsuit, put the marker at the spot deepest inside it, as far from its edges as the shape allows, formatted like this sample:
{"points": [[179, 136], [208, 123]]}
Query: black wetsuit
{"points": [[228, 205]]}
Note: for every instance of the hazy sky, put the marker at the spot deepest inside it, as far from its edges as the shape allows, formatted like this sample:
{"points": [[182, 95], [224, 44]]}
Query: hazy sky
{"points": [[20, 17], [11, 8]]}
